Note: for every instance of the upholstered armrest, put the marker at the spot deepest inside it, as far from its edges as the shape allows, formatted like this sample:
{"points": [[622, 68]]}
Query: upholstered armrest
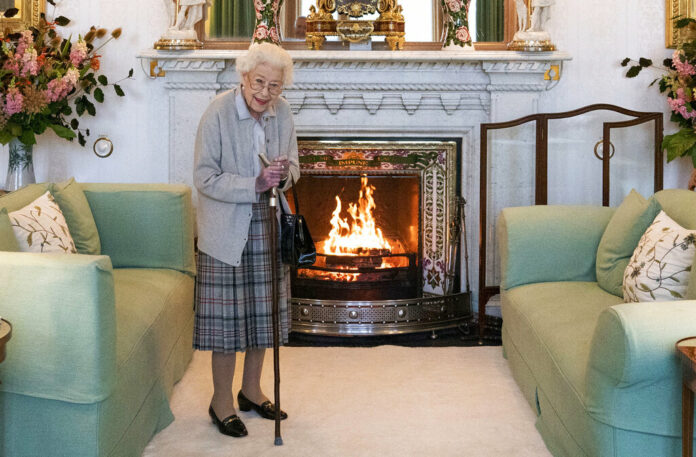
{"points": [[549, 243], [62, 311], [144, 225], [633, 373]]}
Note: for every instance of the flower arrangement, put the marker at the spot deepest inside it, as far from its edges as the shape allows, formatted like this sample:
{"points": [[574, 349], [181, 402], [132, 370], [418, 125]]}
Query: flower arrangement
{"points": [[679, 85], [47, 81], [457, 22], [267, 21]]}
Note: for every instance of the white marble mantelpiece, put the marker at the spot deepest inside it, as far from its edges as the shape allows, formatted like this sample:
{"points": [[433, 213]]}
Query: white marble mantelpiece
{"points": [[368, 94]]}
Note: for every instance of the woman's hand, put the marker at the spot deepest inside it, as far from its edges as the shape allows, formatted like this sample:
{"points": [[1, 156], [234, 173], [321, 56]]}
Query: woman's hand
{"points": [[270, 177], [284, 164]]}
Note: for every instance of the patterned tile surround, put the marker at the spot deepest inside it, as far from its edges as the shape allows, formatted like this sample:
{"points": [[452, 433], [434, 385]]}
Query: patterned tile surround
{"points": [[374, 94]]}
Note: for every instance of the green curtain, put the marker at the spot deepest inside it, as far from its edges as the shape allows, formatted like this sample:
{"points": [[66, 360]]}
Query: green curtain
{"points": [[489, 20], [232, 19]]}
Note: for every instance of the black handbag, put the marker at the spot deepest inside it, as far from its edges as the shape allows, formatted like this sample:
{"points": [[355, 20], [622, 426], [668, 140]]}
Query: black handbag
{"points": [[296, 245]]}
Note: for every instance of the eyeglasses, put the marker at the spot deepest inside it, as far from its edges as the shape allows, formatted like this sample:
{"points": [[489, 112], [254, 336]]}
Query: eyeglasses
{"points": [[259, 84]]}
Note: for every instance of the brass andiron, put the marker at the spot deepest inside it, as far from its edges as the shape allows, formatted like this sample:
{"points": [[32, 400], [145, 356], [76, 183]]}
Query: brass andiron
{"points": [[321, 22]]}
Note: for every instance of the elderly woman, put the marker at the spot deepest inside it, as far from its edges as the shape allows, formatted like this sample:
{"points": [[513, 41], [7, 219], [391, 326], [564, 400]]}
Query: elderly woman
{"points": [[233, 294]]}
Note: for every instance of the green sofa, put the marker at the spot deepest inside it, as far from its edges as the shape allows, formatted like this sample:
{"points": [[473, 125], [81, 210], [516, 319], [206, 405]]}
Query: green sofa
{"points": [[98, 341], [602, 376]]}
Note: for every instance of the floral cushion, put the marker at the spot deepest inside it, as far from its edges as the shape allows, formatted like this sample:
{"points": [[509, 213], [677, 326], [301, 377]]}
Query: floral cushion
{"points": [[660, 266], [41, 227]]}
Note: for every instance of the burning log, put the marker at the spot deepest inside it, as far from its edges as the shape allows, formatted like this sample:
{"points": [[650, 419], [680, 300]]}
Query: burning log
{"points": [[362, 258]]}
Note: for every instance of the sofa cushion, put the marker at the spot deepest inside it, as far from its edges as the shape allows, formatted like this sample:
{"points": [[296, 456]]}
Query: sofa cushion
{"points": [[679, 204], [659, 268], [620, 239], [40, 227], [21, 197], [551, 325], [8, 241], [78, 215]]}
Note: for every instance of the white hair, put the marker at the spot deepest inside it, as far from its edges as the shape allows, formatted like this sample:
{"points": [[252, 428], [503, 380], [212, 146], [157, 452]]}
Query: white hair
{"points": [[271, 54]]}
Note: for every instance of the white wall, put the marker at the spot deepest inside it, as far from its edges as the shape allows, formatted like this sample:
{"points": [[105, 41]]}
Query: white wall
{"points": [[597, 33]]}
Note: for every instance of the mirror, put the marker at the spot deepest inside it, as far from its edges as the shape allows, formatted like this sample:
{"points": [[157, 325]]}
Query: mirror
{"points": [[233, 20], [677, 8], [28, 15]]}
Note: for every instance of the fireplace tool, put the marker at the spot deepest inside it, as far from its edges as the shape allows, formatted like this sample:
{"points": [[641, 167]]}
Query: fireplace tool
{"points": [[275, 311]]}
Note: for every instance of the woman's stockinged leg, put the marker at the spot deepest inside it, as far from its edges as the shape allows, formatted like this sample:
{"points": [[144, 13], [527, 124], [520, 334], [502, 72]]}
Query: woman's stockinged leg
{"points": [[223, 374], [251, 381]]}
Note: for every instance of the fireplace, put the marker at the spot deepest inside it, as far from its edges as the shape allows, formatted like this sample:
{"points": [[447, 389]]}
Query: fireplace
{"points": [[381, 215]]}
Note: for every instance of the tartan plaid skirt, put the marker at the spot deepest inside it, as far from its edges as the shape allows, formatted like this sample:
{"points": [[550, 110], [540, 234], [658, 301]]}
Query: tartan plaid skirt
{"points": [[233, 304]]}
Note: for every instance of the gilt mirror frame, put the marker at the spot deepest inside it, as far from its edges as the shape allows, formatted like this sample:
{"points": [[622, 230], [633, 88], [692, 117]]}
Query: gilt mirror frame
{"points": [[28, 16], [291, 12], [676, 8]]}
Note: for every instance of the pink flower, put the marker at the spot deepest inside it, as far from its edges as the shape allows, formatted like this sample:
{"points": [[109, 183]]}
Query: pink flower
{"points": [[30, 64], [59, 88], [454, 5], [679, 105], [261, 32], [78, 53], [25, 41], [259, 5], [273, 32], [258, 15], [12, 64], [462, 34], [14, 101]]}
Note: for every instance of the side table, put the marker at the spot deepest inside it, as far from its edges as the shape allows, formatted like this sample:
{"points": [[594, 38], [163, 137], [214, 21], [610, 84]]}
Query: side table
{"points": [[5, 335], [686, 348]]}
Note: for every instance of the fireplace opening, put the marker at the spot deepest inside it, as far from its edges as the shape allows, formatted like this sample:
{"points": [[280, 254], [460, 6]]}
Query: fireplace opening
{"points": [[384, 216], [367, 237]]}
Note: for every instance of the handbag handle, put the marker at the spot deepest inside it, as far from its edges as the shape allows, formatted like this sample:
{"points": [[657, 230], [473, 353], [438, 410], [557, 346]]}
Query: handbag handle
{"points": [[294, 196]]}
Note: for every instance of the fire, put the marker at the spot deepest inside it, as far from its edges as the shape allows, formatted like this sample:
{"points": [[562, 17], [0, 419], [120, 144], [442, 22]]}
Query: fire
{"points": [[361, 235]]}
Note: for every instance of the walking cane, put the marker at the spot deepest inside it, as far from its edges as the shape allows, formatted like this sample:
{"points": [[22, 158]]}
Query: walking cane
{"points": [[272, 205]]}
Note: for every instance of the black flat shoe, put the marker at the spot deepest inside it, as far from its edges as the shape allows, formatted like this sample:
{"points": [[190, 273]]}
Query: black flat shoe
{"points": [[232, 425], [265, 409]]}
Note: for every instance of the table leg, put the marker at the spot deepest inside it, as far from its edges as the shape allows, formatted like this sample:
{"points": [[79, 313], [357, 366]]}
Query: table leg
{"points": [[687, 421]]}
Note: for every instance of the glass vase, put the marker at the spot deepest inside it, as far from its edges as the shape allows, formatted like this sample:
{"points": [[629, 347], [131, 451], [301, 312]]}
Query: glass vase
{"points": [[267, 28], [20, 170]]}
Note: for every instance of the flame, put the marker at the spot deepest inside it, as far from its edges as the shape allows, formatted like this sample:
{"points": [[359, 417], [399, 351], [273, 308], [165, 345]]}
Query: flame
{"points": [[362, 233]]}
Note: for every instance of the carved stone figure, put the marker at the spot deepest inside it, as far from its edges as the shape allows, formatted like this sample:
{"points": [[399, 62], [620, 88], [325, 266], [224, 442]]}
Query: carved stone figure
{"points": [[540, 14], [521, 8], [190, 13]]}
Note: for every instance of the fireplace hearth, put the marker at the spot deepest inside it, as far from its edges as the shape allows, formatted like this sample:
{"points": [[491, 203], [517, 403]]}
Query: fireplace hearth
{"points": [[381, 215]]}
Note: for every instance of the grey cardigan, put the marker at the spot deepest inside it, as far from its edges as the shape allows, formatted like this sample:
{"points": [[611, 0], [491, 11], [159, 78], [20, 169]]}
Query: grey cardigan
{"points": [[224, 171]]}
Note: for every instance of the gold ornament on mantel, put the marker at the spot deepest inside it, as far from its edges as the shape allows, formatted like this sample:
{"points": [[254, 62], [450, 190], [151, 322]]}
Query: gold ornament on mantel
{"points": [[183, 16], [321, 23]]}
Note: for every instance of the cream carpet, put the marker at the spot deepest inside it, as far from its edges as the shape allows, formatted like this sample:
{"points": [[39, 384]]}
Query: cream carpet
{"points": [[352, 402]]}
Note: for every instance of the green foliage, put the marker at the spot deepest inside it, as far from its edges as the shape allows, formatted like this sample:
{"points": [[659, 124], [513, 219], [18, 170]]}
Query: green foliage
{"points": [[679, 144], [678, 83]]}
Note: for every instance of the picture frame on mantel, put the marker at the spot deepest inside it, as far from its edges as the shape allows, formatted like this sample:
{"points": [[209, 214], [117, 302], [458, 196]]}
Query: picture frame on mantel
{"points": [[28, 16], [673, 9]]}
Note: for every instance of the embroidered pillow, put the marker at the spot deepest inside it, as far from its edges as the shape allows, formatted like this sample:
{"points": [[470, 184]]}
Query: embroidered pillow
{"points": [[661, 264], [41, 227]]}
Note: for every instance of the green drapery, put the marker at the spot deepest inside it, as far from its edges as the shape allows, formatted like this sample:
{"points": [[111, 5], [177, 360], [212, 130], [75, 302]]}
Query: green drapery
{"points": [[490, 16], [231, 19]]}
